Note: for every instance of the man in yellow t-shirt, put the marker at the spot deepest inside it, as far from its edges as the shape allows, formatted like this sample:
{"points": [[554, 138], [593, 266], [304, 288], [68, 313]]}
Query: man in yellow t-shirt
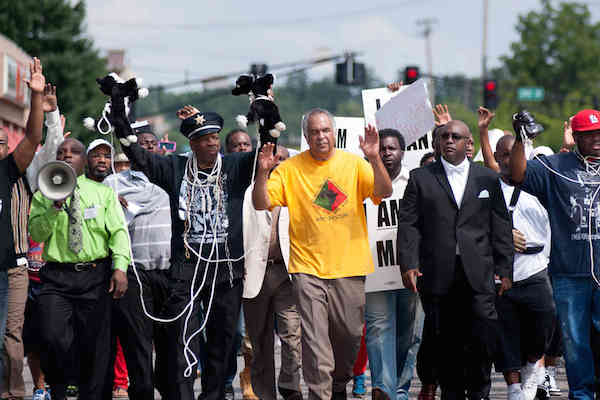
{"points": [[324, 189]]}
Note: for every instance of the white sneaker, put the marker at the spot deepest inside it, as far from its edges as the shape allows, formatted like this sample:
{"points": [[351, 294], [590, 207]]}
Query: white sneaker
{"points": [[530, 375], [515, 394], [550, 381]]}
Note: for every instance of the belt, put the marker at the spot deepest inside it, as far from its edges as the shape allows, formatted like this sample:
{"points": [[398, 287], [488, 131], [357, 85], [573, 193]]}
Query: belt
{"points": [[533, 250], [278, 261], [80, 266], [21, 261]]}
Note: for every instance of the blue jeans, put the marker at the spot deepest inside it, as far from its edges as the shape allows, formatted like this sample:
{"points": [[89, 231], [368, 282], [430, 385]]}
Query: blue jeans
{"points": [[578, 305], [393, 338], [3, 312]]}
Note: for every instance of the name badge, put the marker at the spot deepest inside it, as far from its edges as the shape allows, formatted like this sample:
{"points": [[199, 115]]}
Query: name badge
{"points": [[90, 213]]}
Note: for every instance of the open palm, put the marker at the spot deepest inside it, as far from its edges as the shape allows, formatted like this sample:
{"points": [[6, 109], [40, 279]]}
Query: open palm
{"points": [[370, 143], [37, 81]]}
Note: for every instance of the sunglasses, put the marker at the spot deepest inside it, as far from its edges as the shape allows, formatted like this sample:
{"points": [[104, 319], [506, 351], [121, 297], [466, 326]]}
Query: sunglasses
{"points": [[455, 136]]}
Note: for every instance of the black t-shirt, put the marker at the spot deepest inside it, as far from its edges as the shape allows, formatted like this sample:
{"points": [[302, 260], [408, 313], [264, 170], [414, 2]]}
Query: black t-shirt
{"points": [[236, 173], [9, 173]]}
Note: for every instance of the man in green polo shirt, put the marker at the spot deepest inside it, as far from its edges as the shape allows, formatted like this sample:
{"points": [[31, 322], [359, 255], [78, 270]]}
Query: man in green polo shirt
{"points": [[83, 238]]}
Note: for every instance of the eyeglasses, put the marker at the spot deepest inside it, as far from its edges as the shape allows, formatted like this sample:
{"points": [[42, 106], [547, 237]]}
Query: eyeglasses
{"points": [[455, 136]]}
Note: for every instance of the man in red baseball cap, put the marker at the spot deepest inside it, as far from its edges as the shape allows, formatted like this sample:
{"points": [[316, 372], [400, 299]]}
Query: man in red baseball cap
{"points": [[568, 185]]}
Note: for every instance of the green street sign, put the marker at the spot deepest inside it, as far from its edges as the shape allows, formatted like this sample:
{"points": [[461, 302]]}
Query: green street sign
{"points": [[530, 94]]}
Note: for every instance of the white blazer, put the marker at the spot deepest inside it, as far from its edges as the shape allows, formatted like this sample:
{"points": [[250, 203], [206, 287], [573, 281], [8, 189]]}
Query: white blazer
{"points": [[257, 235]]}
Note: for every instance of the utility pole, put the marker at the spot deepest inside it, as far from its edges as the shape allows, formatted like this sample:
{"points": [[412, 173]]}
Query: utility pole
{"points": [[484, 42], [427, 29]]}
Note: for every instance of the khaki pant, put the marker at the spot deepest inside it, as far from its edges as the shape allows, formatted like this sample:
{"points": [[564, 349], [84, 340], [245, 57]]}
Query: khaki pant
{"points": [[12, 383], [332, 316], [275, 301]]}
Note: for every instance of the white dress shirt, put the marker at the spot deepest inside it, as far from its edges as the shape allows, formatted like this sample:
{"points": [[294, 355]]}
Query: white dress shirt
{"points": [[457, 177]]}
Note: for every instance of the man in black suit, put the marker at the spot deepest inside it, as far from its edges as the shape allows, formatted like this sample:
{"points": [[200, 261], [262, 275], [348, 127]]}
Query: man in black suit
{"points": [[454, 235]]}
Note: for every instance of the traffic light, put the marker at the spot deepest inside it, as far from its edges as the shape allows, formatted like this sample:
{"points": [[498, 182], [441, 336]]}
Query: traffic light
{"points": [[490, 94], [411, 75], [258, 69], [350, 73]]}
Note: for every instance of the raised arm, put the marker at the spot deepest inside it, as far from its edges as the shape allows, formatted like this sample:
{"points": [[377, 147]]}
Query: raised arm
{"points": [[370, 147], [266, 161], [25, 150], [54, 136], [518, 161], [485, 117]]}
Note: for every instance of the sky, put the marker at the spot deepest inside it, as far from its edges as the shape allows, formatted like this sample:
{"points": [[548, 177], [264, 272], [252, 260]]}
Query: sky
{"points": [[164, 40]]}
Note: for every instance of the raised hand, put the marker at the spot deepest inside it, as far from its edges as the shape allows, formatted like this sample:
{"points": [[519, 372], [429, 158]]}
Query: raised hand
{"points": [[442, 115], [568, 141], [49, 102], [485, 117], [37, 81], [369, 144], [266, 160], [186, 112], [395, 86]]}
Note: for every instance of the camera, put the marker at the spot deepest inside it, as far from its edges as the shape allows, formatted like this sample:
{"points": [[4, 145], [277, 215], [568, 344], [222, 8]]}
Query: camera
{"points": [[524, 121]]}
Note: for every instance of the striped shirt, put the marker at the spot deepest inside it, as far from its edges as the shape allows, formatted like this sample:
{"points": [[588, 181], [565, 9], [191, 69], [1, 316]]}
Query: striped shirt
{"points": [[20, 200], [148, 216]]}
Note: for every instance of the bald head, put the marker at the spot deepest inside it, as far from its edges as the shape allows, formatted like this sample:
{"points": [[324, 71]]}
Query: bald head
{"points": [[72, 142], [453, 141], [502, 155], [505, 141], [457, 124]]}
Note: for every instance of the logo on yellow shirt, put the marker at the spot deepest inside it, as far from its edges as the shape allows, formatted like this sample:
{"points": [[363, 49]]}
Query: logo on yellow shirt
{"points": [[330, 197]]}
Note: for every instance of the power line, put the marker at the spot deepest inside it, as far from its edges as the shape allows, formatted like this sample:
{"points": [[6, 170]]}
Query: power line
{"points": [[295, 67]]}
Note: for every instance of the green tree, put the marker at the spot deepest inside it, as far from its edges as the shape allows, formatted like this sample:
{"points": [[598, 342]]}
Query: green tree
{"points": [[53, 30], [559, 49]]}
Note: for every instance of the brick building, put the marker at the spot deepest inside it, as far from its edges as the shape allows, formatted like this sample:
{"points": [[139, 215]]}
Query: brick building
{"points": [[14, 93]]}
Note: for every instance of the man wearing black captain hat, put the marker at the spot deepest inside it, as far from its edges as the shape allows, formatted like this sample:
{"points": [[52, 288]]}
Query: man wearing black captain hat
{"points": [[206, 192]]}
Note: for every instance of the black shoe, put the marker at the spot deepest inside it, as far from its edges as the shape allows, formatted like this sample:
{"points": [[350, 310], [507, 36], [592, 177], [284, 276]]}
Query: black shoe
{"points": [[339, 395], [229, 393], [289, 394]]}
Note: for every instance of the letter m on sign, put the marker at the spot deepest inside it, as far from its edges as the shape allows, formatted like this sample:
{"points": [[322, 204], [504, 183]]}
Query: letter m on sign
{"points": [[385, 253], [341, 139]]}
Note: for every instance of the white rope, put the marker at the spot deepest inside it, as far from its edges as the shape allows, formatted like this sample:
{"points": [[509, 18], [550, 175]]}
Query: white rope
{"points": [[202, 181], [590, 169], [104, 118]]}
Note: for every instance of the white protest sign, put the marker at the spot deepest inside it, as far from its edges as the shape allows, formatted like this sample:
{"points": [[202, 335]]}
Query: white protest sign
{"points": [[348, 130], [382, 220], [409, 112], [373, 99], [382, 224]]}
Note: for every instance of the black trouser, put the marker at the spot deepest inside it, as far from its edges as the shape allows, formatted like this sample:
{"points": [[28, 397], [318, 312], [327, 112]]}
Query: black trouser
{"points": [[75, 319], [427, 357], [461, 327], [526, 314], [220, 332], [137, 332]]}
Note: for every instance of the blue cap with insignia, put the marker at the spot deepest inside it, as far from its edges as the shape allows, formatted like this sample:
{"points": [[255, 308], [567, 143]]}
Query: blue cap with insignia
{"points": [[201, 124]]}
